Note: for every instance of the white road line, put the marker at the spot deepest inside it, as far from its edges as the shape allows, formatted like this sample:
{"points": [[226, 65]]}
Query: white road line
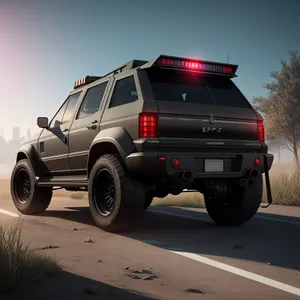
{"points": [[6, 212], [278, 220], [252, 276]]}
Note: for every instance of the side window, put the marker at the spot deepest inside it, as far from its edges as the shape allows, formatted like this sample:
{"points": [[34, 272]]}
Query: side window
{"points": [[124, 92], [70, 107], [92, 100], [56, 121]]}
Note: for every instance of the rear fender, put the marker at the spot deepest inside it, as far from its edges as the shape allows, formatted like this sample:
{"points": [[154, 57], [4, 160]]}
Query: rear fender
{"points": [[112, 140]]}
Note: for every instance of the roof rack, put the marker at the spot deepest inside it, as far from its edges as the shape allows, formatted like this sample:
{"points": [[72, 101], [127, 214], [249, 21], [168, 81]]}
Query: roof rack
{"points": [[127, 66]]}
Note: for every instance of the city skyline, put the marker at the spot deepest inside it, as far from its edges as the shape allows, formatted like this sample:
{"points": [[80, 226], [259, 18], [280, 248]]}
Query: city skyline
{"points": [[16, 133]]}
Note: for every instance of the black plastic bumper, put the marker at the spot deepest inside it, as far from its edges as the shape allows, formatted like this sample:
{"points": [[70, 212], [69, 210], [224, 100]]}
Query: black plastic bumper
{"points": [[160, 164]]}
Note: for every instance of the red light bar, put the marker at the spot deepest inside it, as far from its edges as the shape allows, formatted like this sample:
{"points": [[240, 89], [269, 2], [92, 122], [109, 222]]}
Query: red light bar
{"points": [[196, 65]]}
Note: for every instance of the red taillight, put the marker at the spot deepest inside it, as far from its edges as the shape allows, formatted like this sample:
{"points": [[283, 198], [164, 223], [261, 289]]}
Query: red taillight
{"points": [[260, 131], [147, 125]]}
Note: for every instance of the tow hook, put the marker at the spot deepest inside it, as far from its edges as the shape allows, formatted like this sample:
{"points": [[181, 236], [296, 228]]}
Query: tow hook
{"points": [[268, 185]]}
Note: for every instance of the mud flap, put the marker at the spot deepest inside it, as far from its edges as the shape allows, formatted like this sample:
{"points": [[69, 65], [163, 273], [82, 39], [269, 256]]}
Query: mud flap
{"points": [[268, 185]]}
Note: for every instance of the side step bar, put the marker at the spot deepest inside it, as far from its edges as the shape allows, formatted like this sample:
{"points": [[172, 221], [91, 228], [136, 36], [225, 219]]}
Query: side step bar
{"points": [[268, 185], [64, 181]]}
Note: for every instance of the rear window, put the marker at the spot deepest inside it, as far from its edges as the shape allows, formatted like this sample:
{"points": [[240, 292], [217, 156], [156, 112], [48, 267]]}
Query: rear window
{"points": [[170, 85]]}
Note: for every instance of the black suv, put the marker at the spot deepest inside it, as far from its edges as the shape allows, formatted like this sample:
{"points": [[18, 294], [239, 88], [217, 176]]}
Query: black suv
{"points": [[148, 129]]}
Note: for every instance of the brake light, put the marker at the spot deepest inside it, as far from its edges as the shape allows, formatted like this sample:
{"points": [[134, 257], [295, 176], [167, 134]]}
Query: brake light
{"points": [[260, 131], [147, 125]]}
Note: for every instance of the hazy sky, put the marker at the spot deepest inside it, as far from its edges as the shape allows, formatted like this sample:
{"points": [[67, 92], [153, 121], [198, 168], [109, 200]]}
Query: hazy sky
{"points": [[46, 45]]}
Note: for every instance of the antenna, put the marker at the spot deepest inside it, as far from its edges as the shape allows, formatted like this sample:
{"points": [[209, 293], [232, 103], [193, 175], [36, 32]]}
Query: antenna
{"points": [[227, 58]]}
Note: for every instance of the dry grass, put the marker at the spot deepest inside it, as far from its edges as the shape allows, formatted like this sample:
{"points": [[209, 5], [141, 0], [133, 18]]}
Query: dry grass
{"points": [[19, 263], [285, 187]]}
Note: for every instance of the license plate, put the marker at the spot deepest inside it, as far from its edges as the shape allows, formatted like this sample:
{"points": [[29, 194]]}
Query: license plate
{"points": [[214, 165]]}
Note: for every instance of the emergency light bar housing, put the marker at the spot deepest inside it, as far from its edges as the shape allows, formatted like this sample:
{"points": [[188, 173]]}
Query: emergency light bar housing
{"points": [[201, 66], [170, 62]]}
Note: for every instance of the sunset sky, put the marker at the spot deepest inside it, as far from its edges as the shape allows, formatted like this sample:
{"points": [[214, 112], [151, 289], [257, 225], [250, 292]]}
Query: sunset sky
{"points": [[46, 45]]}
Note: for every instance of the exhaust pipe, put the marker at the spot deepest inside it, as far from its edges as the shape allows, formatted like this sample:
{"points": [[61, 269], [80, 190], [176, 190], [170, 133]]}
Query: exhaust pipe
{"points": [[180, 175], [252, 173], [187, 175]]}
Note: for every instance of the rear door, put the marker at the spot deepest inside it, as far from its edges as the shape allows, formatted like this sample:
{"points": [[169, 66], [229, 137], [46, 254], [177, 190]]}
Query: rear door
{"points": [[201, 106], [86, 126]]}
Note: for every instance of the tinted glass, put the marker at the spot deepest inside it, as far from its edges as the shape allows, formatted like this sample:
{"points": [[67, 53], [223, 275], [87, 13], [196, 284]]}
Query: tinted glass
{"points": [[169, 85], [125, 92], [70, 107], [225, 93], [92, 100], [56, 121]]}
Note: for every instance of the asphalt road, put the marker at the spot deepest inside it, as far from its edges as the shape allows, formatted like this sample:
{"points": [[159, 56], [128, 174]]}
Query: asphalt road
{"points": [[191, 257]]}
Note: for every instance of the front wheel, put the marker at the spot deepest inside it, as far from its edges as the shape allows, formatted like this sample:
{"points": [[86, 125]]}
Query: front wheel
{"points": [[236, 207], [116, 200], [28, 198]]}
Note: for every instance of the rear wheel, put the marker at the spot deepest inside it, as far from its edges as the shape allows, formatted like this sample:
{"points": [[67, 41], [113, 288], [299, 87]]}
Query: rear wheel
{"points": [[235, 207], [116, 200], [28, 198]]}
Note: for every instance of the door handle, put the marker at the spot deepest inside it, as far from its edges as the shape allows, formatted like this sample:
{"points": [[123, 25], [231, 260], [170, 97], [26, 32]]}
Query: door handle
{"points": [[91, 127], [94, 122], [65, 130]]}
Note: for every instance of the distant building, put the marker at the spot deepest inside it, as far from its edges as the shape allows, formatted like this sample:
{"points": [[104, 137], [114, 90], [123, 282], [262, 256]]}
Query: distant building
{"points": [[16, 134], [28, 135]]}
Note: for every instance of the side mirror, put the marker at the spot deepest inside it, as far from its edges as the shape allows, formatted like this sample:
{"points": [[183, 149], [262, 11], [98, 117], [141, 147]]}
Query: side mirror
{"points": [[42, 122]]}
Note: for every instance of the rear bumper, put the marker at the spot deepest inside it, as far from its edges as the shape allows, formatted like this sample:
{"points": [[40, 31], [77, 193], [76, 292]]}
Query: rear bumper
{"points": [[235, 165]]}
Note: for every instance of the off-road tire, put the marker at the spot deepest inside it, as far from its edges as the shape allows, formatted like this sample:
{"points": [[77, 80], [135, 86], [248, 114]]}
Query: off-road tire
{"points": [[38, 199], [129, 196], [243, 205]]}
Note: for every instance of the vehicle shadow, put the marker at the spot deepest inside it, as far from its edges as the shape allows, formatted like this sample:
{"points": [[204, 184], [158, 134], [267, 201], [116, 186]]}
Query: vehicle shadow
{"points": [[71, 286], [260, 240]]}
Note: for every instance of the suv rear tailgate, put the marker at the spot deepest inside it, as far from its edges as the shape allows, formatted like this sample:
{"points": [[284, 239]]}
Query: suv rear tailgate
{"points": [[201, 107], [188, 120]]}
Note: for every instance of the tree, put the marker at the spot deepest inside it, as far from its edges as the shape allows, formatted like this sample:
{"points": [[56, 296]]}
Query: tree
{"points": [[281, 108]]}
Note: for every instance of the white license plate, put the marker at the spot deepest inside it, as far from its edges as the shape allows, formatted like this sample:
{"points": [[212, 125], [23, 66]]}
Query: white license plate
{"points": [[214, 165]]}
